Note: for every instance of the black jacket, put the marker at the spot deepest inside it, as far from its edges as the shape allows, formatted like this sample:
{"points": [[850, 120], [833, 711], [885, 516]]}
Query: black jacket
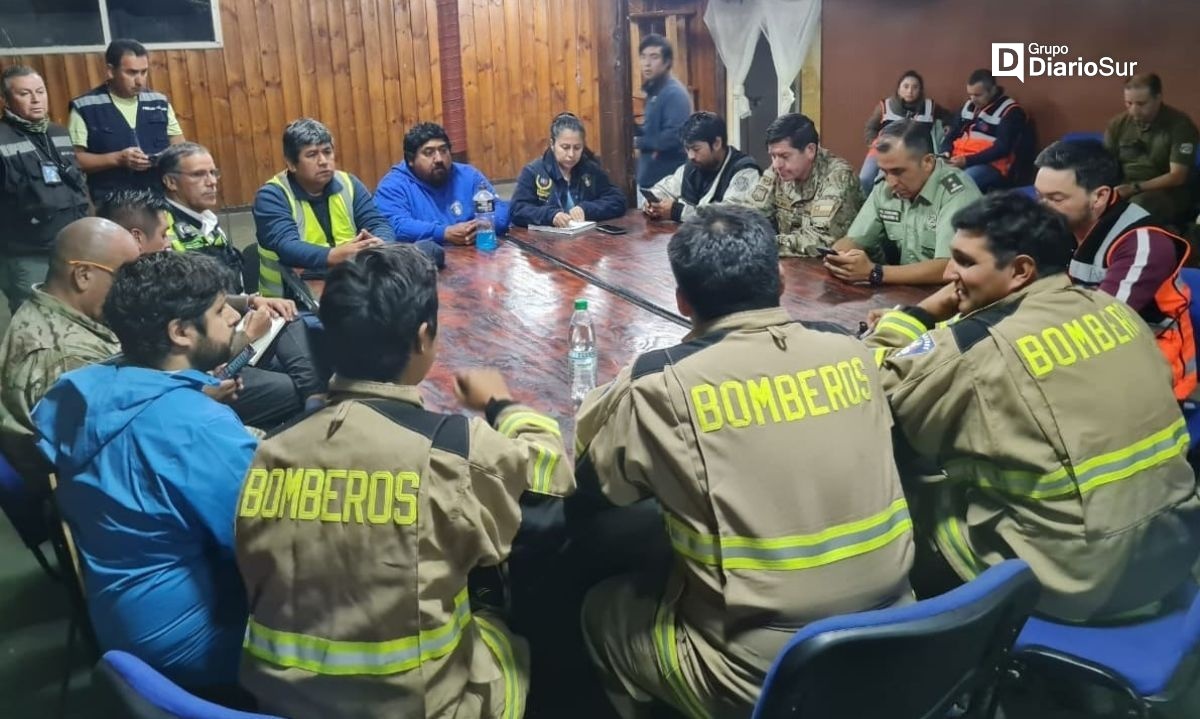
{"points": [[542, 192]]}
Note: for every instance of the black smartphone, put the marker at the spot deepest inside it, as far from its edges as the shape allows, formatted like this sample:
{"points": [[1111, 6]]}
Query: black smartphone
{"points": [[611, 229], [650, 196], [826, 251], [234, 366]]}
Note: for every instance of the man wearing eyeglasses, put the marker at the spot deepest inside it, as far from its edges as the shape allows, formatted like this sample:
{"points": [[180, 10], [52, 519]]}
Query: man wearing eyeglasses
{"points": [[190, 179], [60, 328]]}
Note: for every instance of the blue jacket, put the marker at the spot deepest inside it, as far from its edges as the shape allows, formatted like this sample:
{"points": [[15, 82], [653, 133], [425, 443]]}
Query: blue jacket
{"points": [[276, 228], [542, 192], [149, 473], [668, 105], [420, 211]]}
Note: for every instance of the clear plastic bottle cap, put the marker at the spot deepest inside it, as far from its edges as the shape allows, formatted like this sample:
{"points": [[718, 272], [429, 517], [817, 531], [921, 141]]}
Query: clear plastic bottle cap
{"points": [[581, 304]]}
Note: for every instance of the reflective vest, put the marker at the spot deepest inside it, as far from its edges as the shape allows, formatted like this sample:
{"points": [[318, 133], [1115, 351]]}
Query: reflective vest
{"points": [[109, 131], [1168, 316], [893, 114], [186, 236], [980, 128], [341, 221]]}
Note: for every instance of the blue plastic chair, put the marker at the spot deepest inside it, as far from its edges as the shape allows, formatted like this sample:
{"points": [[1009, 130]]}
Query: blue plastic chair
{"points": [[143, 693], [915, 661], [1146, 661], [1083, 137]]}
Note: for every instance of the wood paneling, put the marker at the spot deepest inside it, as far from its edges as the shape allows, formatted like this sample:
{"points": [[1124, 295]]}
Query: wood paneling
{"points": [[366, 68], [523, 62], [369, 69], [945, 40]]}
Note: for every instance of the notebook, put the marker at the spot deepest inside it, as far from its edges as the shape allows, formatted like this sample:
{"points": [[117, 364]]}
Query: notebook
{"points": [[261, 344], [574, 228]]}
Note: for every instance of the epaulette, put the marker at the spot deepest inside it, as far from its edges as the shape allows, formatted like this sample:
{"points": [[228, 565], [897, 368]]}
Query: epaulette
{"points": [[656, 361], [971, 330], [448, 432]]}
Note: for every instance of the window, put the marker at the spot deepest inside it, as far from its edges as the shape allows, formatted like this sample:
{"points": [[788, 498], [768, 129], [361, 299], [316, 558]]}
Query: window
{"points": [[57, 26]]}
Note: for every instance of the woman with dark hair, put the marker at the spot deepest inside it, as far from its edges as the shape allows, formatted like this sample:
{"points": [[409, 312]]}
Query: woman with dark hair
{"points": [[566, 183], [908, 102]]}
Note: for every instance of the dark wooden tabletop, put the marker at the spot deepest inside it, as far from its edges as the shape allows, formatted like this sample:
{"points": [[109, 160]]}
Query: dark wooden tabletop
{"points": [[511, 308], [636, 265]]}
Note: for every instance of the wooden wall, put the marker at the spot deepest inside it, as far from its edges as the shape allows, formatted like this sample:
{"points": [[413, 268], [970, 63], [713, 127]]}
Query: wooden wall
{"points": [[525, 61], [368, 69]]}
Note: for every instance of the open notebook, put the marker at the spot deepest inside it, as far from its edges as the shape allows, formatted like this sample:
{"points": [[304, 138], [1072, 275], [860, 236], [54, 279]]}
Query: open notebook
{"points": [[574, 228], [261, 344]]}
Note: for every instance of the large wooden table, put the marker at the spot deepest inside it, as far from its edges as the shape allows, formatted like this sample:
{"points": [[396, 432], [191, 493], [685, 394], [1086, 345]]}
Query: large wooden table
{"points": [[636, 265], [511, 308]]}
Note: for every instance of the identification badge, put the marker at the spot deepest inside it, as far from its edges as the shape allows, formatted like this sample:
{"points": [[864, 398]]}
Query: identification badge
{"points": [[888, 215], [50, 174]]}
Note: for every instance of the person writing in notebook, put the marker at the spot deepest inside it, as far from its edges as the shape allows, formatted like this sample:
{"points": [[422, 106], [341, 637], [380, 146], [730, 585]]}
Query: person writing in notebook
{"points": [[566, 183]]}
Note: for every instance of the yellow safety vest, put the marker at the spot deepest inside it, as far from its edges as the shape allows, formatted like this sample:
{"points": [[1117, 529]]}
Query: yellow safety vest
{"points": [[341, 220]]}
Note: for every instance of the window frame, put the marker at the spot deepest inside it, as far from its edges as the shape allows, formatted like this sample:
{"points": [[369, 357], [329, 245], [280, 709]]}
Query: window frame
{"points": [[216, 43]]}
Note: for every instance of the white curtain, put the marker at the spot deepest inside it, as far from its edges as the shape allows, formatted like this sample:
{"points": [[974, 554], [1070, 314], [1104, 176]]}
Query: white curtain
{"points": [[790, 26], [735, 26]]}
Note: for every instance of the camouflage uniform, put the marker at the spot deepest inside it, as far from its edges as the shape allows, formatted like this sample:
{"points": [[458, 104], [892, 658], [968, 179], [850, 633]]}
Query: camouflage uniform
{"points": [[45, 339], [808, 214]]}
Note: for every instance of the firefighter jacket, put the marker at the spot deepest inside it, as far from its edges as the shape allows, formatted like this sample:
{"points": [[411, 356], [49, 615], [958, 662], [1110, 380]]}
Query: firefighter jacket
{"points": [[1051, 415], [750, 435], [356, 529]]}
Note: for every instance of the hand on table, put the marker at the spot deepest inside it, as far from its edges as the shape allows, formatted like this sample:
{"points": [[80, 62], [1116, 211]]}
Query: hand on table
{"points": [[850, 265], [576, 213], [462, 233], [562, 219], [660, 210], [476, 387]]}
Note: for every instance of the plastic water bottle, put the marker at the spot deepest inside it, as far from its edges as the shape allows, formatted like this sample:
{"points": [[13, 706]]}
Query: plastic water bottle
{"points": [[485, 217], [582, 354]]}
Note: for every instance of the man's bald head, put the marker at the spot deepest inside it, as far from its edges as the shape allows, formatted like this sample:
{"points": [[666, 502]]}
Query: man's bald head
{"points": [[86, 254], [91, 240]]}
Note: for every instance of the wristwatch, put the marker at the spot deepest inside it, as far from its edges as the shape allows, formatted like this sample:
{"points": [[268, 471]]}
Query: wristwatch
{"points": [[1137, 188], [876, 276]]}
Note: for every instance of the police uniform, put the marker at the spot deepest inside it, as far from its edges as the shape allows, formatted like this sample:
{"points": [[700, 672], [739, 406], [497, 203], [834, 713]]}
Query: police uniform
{"points": [[357, 527], [1051, 415], [45, 339], [1146, 152], [101, 123], [43, 191], [905, 231], [749, 459], [190, 231], [809, 214]]}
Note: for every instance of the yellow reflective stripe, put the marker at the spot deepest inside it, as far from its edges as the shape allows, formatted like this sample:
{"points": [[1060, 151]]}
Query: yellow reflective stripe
{"points": [[497, 641], [801, 551], [543, 470], [902, 323], [533, 419], [881, 355], [950, 533], [342, 658], [1160, 447], [667, 651]]}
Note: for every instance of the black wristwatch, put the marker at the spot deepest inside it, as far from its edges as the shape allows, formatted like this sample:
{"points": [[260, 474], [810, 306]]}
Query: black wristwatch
{"points": [[876, 276]]}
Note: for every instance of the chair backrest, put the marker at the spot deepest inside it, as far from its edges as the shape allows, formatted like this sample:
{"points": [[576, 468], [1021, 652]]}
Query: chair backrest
{"points": [[21, 506], [250, 268], [908, 662], [143, 693], [1083, 137]]}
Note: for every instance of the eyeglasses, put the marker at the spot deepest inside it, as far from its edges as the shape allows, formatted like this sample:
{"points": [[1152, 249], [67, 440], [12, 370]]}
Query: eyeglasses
{"points": [[97, 265], [200, 174]]}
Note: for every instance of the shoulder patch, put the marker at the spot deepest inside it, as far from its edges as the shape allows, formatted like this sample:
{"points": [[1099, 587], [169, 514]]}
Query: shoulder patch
{"points": [[972, 330], [657, 361], [760, 193], [825, 207], [952, 184], [542, 185], [449, 432], [922, 345], [741, 183], [587, 180], [1186, 148]]}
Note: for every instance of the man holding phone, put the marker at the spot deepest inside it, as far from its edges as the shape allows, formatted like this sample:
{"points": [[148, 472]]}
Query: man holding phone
{"points": [[713, 168], [117, 160]]}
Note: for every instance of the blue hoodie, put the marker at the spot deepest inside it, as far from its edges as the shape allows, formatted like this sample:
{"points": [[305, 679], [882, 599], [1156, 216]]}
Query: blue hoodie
{"points": [[420, 211], [149, 472]]}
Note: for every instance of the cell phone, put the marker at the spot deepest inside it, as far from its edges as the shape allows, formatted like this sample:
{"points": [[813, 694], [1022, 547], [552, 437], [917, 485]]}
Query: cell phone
{"points": [[650, 196], [234, 366], [611, 229], [826, 251]]}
